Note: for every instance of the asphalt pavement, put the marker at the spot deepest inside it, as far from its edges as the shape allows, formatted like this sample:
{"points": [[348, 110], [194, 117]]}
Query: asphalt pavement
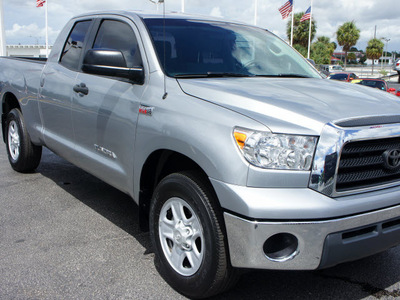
{"points": [[66, 235]]}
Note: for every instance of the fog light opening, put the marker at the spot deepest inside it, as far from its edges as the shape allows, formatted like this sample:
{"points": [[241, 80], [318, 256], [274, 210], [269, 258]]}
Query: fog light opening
{"points": [[281, 247]]}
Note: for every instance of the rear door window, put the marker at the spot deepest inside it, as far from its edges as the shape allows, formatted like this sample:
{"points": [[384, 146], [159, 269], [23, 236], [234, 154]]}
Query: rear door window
{"points": [[73, 47]]}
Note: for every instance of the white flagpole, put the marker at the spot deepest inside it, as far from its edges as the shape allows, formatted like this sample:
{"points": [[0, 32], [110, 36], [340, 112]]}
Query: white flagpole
{"points": [[309, 33], [183, 6], [255, 12], [47, 32], [291, 31], [3, 50]]}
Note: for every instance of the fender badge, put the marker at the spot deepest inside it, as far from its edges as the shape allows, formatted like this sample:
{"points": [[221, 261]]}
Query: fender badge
{"points": [[146, 110], [105, 151]]}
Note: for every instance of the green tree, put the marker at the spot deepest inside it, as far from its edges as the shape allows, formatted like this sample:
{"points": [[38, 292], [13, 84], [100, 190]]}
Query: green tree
{"points": [[374, 50], [301, 30], [323, 39], [347, 36], [302, 50], [322, 50], [334, 45], [352, 57], [320, 53], [363, 59]]}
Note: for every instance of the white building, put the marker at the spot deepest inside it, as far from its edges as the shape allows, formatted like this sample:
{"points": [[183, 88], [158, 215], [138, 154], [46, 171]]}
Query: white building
{"points": [[387, 60], [27, 50]]}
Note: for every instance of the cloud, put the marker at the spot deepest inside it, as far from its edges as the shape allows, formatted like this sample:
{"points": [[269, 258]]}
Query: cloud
{"points": [[33, 34], [216, 12], [328, 14]]}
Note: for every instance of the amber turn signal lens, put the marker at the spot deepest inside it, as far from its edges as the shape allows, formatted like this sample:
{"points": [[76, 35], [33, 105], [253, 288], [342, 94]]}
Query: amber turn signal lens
{"points": [[240, 139]]}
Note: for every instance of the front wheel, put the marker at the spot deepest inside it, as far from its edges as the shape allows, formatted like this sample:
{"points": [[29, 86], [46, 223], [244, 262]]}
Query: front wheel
{"points": [[186, 229], [22, 154]]}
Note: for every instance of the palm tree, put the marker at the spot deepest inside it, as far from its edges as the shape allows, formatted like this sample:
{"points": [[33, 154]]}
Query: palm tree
{"points": [[374, 50], [347, 36], [300, 30]]}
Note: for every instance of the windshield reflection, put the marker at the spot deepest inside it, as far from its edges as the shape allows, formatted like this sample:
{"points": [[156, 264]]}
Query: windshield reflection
{"points": [[216, 49]]}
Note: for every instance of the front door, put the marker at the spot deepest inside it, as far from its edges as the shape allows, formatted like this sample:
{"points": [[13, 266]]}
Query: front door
{"points": [[105, 115]]}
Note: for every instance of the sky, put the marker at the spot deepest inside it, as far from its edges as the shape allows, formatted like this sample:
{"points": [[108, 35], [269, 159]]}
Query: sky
{"points": [[25, 23]]}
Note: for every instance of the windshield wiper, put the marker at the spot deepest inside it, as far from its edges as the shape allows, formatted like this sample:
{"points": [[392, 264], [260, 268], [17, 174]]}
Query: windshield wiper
{"points": [[212, 74], [285, 75]]}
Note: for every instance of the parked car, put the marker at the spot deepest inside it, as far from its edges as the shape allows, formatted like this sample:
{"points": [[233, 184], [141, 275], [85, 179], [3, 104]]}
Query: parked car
{"points": [[343, 76], [375, 83], [327, 69], [396, 67]]}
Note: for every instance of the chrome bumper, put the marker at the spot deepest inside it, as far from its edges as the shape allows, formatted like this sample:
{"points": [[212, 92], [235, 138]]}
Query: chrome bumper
{"points": [[246, 239]]}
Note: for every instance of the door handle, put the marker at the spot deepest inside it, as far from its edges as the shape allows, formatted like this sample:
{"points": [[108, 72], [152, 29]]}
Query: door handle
{"points": [[81, 88]]}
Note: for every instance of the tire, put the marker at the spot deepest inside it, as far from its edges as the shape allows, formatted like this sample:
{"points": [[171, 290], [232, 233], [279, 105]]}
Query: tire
{"points": [[23, 156], [187, 233], [398, 78]]}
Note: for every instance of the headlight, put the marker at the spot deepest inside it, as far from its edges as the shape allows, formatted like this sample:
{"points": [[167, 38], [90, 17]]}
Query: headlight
{"points": [[276, 151]]}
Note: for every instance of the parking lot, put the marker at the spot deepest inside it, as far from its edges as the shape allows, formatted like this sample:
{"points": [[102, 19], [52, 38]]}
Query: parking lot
{"points": [[394, 85], [67, 235]]}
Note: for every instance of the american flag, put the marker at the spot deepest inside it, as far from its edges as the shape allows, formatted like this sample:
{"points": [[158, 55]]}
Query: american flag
{"points": [[286, 9], [307, 15], [39, 3]]}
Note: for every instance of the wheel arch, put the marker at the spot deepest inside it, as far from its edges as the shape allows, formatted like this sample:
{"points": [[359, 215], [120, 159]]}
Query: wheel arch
{"points": [[9, 102], [158, 165]]}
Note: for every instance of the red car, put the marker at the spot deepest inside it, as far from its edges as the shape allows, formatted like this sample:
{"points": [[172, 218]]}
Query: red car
{"points": [[376, 83], [343, 76]]}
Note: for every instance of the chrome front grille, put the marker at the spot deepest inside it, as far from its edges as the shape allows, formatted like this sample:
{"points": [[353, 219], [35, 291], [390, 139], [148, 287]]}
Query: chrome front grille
{"points": [[351, 160], [362, 165]]}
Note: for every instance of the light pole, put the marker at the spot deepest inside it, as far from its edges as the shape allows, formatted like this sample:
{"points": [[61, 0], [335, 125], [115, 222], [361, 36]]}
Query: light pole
{"points": [[387, 41]]}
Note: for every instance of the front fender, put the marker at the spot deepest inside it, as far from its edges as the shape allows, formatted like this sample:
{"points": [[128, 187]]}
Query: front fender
{"points": [[197, 129]]}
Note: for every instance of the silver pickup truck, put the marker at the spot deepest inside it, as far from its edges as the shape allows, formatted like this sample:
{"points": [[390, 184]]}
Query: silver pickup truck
{"points": [[238, 153]]}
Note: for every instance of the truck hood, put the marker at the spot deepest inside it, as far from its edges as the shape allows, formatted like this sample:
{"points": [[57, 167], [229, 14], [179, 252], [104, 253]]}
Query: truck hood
{"points": [[293, 105]]}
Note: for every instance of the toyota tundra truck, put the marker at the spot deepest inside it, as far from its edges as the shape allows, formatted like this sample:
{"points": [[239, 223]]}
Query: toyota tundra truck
{"points": [[236, 150]]}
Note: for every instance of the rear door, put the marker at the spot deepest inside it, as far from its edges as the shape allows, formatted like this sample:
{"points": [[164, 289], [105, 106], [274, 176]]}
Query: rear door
{"points": [[104, 118], [56, 84]]}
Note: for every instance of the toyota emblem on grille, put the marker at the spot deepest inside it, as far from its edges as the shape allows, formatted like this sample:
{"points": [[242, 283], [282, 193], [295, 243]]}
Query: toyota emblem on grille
{"points": [[391, 159]]}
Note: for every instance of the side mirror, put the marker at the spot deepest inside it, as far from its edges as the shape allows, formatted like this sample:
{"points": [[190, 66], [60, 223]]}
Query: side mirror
{"points": [[111, 63]]}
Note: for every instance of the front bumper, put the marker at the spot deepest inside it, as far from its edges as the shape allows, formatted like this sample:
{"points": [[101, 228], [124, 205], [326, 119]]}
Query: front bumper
{"points": [[319, 243]]}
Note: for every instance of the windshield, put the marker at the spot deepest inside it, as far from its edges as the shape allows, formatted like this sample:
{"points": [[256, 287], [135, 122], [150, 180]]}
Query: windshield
{"points": [[337, 68], [373, 83], [191, 48], [338, 76]]}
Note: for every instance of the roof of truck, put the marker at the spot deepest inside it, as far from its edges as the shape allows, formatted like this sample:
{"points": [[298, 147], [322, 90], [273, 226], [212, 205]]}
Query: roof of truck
{"points": [[158, 15]]}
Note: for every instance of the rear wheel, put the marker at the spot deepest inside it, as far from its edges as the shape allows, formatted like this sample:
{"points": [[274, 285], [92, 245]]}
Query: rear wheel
{"points": [[22, 154], [187, 232]]}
